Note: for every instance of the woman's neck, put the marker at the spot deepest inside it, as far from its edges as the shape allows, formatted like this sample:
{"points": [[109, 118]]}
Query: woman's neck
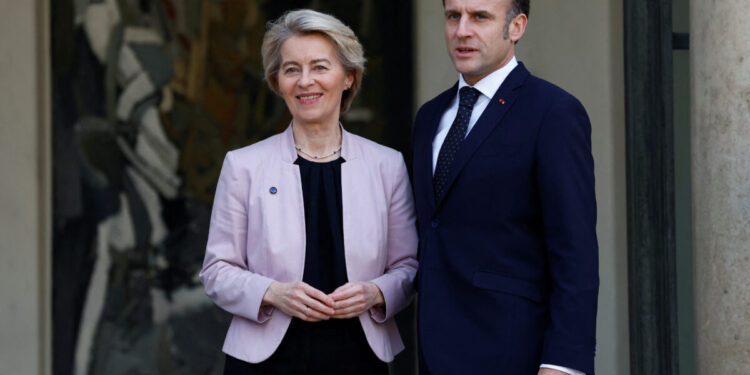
{"points": [[317, 142]]}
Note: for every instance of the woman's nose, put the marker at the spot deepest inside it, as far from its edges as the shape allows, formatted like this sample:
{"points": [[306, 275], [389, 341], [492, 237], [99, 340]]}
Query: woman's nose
{"points": [[305, 79]]}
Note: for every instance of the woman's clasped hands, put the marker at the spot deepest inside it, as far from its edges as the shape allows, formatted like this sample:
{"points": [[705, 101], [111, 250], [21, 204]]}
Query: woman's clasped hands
{"points": [[305, 302]]}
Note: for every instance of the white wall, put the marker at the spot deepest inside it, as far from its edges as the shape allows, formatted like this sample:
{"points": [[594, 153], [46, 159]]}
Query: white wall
{"points": [[578, 45], [24, 189]]}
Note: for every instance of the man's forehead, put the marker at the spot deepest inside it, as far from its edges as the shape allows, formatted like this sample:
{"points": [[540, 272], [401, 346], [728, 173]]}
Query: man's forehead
{"points": [[474, 5]]}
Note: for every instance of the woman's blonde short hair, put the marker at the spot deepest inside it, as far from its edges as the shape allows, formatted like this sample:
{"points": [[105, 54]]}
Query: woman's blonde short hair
{"points": [[305, 22]]}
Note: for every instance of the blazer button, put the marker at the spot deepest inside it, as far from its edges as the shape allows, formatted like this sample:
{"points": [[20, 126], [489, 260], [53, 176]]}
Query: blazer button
{"points": [[435, 223]]}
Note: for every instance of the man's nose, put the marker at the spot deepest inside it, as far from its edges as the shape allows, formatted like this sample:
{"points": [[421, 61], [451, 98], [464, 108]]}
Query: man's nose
{"points": [[464, 28]]}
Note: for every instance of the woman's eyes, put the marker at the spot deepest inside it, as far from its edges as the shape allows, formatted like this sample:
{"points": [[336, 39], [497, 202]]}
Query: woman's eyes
{"points": [[292, 70]]}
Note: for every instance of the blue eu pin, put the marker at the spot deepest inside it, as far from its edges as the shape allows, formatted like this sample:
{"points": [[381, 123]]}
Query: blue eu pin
{"points": [[273, 190]]}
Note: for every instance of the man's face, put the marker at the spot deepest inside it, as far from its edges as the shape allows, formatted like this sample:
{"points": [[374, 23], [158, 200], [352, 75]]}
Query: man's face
{"points": [[476, 37]]}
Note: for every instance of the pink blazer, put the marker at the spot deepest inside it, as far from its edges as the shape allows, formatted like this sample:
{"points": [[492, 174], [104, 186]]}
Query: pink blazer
{"points": [[257, 237]]}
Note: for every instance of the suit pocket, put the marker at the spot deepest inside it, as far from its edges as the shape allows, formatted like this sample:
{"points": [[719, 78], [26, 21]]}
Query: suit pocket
{"points": [[509, 285]]}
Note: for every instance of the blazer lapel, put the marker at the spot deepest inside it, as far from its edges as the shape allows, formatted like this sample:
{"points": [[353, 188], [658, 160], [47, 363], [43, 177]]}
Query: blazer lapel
{"points": [[423, 145], [491, 117]]}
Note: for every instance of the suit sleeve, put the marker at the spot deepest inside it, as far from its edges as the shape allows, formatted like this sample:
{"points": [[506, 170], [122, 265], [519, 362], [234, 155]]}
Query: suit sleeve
{"points": [[397, 283], [565, 175], [225, 274]]}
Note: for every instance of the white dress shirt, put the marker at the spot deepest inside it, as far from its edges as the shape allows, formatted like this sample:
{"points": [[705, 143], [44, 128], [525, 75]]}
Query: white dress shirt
{"points": [[487, 86]]}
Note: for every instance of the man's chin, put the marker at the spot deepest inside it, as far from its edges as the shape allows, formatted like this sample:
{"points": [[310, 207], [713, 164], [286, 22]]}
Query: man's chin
{"points": [[467, 72]]}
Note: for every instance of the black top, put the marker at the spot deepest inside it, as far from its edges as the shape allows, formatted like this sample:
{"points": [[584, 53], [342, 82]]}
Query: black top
{"points": [[325, 267]]}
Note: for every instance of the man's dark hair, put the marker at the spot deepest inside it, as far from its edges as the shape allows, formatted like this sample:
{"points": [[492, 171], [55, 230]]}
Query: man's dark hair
{"points": [[519, 7], [516, 7]]}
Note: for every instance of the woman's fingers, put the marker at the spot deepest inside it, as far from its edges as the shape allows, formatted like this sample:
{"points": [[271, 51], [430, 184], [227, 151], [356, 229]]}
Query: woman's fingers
{"points": [[353, 299], [350, 312], [316, 294], [300, 300], [307, 303], [311, 315], [346, 291], [313, 305], [308, 300]]}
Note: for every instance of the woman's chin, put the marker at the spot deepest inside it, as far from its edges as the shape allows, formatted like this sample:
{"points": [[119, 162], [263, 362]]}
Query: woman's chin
{"points": [[311, 118]]}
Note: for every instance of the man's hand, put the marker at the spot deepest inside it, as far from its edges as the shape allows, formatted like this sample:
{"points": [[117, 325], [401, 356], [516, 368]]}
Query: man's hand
{"points": [[352, 299], [299, 300], [549, 371]]}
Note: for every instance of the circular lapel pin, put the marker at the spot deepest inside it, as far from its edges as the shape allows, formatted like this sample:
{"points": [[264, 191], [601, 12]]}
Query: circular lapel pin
{"points": [[273, 190], [502, 101]]}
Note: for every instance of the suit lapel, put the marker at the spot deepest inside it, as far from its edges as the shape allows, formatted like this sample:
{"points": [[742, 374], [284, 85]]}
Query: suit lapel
{"points": [[423, 147], [491, 117]]}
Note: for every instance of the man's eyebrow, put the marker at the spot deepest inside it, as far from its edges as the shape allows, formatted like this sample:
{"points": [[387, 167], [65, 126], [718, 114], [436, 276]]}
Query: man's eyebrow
{"points": [[482, 12], [473, 13]]}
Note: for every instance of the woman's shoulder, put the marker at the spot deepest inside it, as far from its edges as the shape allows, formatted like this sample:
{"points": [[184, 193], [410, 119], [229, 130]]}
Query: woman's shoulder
{"points": [[258, 151]]}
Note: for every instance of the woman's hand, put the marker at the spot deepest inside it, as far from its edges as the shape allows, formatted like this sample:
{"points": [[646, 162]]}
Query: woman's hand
{"points": [[352, 299], [299, 300]]}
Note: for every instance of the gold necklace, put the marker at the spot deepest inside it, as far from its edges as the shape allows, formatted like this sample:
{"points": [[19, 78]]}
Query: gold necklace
{"points": [[300, 150]]}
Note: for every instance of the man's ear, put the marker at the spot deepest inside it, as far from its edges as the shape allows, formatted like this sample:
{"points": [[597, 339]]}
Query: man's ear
{"points": [[517, 27]]}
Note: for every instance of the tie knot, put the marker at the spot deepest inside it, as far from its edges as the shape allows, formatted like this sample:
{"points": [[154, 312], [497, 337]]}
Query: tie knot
{"points": [[467, 96]]}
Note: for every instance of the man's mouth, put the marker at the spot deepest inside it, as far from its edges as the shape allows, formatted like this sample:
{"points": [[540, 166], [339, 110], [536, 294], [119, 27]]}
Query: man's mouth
{"points": [[465, 51]]}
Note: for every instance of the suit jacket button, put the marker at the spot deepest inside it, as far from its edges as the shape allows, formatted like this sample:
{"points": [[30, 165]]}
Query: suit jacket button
{"points": [[435, 223]]}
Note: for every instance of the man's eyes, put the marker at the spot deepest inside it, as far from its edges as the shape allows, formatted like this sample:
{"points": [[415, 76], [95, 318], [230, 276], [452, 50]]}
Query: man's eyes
{"points": [[477, 16]]}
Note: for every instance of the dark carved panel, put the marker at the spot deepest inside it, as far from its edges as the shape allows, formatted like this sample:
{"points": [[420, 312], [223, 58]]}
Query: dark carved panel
{"points": [[650, 179]]}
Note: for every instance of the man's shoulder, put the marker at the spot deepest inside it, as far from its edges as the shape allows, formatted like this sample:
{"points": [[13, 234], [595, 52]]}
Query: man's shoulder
{"points": [[438, 104], [542, 88], [443, 97]]}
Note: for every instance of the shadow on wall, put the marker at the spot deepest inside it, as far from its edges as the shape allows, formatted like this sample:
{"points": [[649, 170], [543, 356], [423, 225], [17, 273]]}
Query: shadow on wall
{"points": [[148, 96]]}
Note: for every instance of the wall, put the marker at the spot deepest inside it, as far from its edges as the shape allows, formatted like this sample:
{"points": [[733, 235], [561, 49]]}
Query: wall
{"points": [[24, 189], [578, 45]]}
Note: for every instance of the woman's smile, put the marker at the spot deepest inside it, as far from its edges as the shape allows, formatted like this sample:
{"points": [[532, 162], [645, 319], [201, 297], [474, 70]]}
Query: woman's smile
{"points": [[309, 98], [312, 80]]}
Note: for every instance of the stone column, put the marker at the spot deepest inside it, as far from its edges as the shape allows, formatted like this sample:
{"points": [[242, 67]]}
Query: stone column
{"points": [[720, 99]]}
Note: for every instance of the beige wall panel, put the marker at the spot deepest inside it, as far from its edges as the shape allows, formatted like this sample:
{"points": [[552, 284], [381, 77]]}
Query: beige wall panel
{"points": [[24, 340]]}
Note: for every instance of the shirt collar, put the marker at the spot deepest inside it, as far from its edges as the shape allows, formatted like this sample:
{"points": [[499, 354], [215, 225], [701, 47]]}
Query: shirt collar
{"points": [[489, 85]]}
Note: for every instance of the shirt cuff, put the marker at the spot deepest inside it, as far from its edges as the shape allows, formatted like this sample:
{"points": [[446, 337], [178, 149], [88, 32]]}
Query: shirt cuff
{"points": [[563, 369]]}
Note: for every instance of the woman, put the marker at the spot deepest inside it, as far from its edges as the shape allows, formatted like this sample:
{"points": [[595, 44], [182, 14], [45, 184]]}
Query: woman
{"points": [[312, 243]]}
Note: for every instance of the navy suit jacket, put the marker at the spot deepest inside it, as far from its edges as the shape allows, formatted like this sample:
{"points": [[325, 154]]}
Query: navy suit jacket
{"points": [[508, 275]]}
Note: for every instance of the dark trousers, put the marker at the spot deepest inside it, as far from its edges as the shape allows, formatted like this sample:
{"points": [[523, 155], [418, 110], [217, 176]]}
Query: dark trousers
{"points": [[332, 347]]}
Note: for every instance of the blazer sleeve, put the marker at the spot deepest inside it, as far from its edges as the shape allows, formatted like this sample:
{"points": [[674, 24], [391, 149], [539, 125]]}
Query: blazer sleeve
{"points": [[565, 175], [397, 283], [225, 274]]}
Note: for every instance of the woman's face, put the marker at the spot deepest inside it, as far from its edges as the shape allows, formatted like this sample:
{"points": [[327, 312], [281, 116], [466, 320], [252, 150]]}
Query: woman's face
{"points": [[311, 79]]}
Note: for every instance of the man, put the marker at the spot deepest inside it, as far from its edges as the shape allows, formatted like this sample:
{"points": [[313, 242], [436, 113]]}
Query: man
{"points": [[504, 186]]}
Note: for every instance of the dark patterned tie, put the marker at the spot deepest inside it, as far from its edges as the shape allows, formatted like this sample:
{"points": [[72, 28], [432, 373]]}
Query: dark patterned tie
{"points": [[467, 96]]}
